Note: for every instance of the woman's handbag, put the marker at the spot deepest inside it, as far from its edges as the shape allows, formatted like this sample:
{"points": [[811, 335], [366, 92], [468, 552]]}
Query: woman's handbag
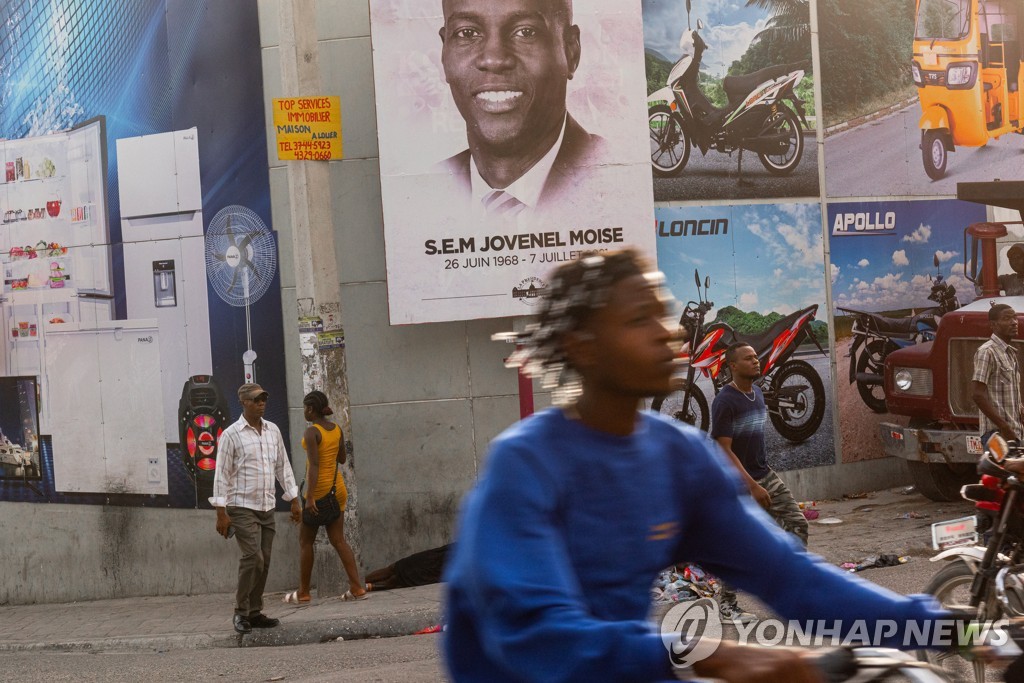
{"points": [[327, 507]]}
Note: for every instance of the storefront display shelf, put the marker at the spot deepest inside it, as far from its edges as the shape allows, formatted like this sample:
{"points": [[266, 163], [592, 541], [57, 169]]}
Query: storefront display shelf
{"points": [[31, 297]]}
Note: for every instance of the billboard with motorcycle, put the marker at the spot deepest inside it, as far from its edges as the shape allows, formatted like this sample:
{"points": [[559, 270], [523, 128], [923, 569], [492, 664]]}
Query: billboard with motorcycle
{"points": [[897, 267], [718, 259], [918, 96], [730, 100], [511, 138]]}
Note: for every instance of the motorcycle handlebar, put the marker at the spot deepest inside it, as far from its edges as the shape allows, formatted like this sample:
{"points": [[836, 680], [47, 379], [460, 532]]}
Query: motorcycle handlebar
{"points": [[873, 663], [698, 43], [1009, 477], [839, 664], [986, 465]]}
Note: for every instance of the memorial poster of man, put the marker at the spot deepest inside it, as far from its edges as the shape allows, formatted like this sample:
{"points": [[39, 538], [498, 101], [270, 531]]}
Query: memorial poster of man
{"points": [[511, 138]]}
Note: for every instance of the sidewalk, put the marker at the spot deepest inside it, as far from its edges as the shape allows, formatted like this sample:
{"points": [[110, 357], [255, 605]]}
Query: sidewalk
{"points": [[168, 623], [893, 521]]}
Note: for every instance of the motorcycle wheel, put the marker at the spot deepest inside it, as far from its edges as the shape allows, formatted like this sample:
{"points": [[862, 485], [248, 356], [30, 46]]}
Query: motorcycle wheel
{"points": [[951, 585], [696, 413], [797, 423], [785, 121], [872, 360], [670, 145], [933, 153]]}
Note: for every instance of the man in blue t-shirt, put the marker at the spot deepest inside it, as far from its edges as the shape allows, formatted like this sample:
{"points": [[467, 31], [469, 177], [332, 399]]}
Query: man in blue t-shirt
{"points": [[738, 416], [581, 505]]}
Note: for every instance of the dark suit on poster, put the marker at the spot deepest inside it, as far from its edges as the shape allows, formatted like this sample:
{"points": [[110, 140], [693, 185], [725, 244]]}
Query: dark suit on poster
{"points": [[580, 153]]}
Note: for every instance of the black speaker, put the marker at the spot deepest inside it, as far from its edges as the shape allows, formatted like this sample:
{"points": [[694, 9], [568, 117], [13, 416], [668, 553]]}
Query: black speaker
{"points": [[202, 415]]}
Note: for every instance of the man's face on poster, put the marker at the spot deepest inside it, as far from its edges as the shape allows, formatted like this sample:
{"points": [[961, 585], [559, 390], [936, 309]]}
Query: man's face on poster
{"points": [[508, 63]]}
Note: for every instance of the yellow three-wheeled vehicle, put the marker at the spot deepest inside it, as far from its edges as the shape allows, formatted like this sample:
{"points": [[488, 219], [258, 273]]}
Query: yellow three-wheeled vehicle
{"points": [[967, 68]]}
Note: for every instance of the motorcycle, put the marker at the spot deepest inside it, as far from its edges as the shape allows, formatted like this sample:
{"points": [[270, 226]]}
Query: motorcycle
{"points": [[987, 577], [688, 403], [793, 391], [756, 118], [876, 336]]}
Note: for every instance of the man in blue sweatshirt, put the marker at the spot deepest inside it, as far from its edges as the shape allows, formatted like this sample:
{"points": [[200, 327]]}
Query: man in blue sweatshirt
{"points": [[581, 505]]}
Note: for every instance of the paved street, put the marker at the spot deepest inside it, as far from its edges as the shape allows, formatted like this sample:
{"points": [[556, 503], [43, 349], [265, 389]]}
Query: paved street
{"points": [[189, 638], [883, 158], [410, 659]]}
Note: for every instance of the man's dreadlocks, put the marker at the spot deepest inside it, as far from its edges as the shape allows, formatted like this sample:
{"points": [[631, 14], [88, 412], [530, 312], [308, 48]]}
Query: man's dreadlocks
{"points": [[577, 290]]}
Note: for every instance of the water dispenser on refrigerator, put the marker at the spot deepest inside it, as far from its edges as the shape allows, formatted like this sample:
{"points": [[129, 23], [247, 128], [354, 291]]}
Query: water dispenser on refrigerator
{"points": [[164, 292]]}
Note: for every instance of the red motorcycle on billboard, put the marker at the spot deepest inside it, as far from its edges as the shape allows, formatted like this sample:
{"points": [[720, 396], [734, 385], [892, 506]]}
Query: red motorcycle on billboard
{"points": [[793, 390]]}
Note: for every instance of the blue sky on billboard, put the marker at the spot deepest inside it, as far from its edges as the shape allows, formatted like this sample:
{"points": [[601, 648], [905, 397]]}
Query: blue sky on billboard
{"points": [[729, 28], [765, 258], [882, 261]]}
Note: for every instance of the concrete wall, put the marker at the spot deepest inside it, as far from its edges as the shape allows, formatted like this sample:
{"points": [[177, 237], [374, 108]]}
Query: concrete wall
{"points": [[426, 398], [68, 553], [816, 483]]}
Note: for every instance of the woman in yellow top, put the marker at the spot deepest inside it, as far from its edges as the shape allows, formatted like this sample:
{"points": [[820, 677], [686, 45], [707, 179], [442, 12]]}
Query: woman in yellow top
{"points": [[325, 450]]}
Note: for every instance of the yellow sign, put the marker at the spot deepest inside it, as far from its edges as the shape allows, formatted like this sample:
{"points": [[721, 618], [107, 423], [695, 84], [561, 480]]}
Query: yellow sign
{"points": [[308, 128]]}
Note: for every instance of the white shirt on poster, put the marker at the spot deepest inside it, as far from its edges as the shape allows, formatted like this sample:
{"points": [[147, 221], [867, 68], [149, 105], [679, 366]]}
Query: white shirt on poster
{"points": [[527, 188]]}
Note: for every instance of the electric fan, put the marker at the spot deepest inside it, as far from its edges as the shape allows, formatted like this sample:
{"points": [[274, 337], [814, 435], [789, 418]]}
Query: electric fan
{"points": [[241, 258]]}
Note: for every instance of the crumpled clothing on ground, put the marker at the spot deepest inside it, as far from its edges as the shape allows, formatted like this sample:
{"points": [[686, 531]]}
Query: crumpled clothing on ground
{"points": [[684, 582]]}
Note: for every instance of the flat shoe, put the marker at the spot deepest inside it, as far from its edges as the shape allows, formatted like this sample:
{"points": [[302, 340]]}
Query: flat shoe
{"points": [[241, 624], [293, 598], [349, 596], [260, 620]]}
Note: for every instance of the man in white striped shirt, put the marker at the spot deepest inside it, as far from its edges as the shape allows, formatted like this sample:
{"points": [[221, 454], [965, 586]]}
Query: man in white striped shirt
{"points": [[250, 455]]}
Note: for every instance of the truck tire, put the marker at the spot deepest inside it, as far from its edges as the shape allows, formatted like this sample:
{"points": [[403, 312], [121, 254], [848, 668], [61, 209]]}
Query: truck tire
{"points": [[939, 481]]}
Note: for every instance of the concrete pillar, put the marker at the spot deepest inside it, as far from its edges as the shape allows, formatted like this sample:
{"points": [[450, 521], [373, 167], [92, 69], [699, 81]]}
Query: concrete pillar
{"points": [[317, 283]]}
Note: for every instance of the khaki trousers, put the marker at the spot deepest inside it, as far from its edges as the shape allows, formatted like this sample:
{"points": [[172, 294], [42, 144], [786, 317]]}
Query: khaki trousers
{"points": [[254, 532]]}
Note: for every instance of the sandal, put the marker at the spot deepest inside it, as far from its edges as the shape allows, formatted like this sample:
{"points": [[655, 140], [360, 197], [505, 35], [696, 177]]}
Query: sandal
{"points": [[349, 596], [293, 598]]}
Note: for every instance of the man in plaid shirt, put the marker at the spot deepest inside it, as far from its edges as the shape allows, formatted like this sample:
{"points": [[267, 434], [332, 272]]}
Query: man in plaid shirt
{"points": [[996, 381]]}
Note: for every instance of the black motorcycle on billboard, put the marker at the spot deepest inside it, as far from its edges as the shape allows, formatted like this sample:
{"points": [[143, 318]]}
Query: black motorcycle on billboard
{"points": [[876, 336]]}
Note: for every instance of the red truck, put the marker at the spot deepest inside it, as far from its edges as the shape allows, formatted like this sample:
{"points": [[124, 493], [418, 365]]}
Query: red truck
{"points": [[930, 382]]}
